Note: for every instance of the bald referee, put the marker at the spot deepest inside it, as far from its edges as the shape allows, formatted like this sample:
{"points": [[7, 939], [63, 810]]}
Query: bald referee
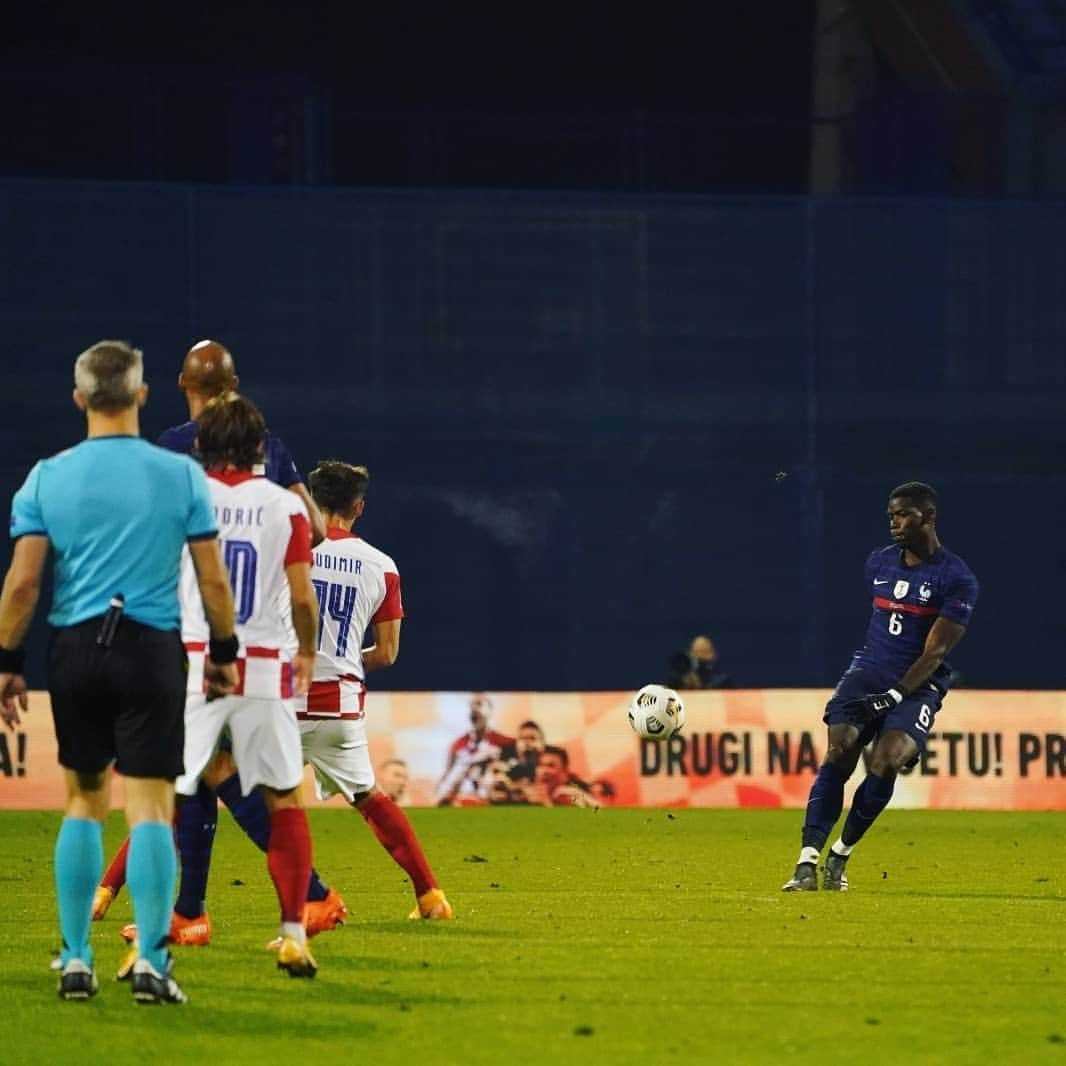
{"points": [[116, 512]]}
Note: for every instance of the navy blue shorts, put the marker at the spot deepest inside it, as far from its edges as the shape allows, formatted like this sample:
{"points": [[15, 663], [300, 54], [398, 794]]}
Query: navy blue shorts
{"points": [[914, 716]]}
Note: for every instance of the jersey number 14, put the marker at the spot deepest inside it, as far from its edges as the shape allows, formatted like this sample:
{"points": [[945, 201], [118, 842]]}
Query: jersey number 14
{"points": [[338, 601]]}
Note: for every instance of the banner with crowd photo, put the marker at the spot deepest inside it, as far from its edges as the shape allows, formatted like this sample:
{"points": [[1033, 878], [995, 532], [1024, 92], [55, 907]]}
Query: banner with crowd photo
{"points": [[740, 748]]}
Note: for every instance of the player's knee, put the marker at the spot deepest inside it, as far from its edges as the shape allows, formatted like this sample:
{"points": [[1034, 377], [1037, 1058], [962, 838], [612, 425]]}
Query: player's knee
{"points": [[359, 798], [92, 781], [278, 799], [219, 769]]}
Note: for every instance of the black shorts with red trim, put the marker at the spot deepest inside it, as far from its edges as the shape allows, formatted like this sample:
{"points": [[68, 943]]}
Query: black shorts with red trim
{"points": [[123, 704]]}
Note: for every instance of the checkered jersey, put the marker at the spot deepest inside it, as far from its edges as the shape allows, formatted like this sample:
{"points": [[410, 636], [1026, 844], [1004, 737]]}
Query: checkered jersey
{"points": [[357, 585], [262, 529]]}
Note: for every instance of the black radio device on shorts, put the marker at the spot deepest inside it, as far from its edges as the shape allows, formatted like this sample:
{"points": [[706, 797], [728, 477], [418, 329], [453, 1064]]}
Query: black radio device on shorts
{"points": [[111, 620]]}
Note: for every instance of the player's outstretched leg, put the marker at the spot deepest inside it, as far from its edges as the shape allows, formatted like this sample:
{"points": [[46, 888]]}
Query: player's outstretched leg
{"points": [[251, 814], [79, 858], [870, 799], [824, 805], [194, 831], [289, 862], [393, 829], [112, 881]]}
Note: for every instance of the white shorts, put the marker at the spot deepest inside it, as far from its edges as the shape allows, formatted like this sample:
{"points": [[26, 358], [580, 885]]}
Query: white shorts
{"points": [[266, 742], [337, 749]]}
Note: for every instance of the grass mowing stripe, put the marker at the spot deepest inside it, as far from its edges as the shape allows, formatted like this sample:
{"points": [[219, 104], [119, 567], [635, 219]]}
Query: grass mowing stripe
{"points": [[585, 937]]}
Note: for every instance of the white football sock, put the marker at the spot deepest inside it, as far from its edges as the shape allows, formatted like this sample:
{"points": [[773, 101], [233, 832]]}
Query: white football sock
{"points": [[842, 849], [809, 855]]}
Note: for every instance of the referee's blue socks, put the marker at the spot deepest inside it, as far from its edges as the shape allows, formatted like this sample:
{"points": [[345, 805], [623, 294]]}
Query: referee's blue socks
{"points": [[79, 862], [150, 875]]}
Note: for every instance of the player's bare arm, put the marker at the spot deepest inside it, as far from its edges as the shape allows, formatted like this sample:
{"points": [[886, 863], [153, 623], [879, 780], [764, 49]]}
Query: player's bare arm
{"points": [[386, 647], [318, 523], [18, 601], [213, 581], [305, 622], [942, 637]]}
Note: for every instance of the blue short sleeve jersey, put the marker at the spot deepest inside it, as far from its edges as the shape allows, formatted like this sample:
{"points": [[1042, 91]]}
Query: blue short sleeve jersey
{"points": [[117, 511], [278, 463], [907, 600]]}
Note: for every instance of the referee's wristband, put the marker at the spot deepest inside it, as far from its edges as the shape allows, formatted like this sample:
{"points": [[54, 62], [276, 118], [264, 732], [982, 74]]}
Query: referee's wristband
{"points": [[12, 660], [223, 652]]}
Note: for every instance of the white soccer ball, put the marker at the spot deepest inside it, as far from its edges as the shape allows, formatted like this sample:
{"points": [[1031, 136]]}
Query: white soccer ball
{"points": [[656, 713]]}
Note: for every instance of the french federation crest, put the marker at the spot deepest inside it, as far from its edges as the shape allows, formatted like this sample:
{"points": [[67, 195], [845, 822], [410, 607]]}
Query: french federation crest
{"points": [[901, 589], [925, 590]]}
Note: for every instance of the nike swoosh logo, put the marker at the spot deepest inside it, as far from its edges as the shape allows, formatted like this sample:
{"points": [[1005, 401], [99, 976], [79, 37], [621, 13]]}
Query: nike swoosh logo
{"points": [[885, 582]]}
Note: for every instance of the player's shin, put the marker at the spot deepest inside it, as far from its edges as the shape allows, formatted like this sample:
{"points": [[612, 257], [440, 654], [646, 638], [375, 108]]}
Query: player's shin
{"points": [[152, 869], [79, 859], [871, 798], [195, 827], [397, 837], [289, 862], [824, 805]]}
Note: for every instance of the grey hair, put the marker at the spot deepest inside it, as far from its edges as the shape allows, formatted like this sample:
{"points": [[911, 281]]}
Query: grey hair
{"points": [[108, 375]]}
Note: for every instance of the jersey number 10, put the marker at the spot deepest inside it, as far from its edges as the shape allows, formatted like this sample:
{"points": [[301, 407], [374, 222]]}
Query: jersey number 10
{"points": [[338, 601]]}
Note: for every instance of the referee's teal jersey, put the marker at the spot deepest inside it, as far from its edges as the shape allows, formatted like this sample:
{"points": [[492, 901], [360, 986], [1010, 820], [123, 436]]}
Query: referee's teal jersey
{"points": [[117, 511]]}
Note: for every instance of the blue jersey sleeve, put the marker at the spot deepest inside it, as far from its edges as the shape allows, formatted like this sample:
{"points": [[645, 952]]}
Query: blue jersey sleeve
{"points": [[26, 516], [201, 523], [280, 465], [960, 598]]}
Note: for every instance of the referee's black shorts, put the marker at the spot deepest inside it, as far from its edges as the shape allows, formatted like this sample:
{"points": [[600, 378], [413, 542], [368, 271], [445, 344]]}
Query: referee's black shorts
{"points": [[123, 704]]}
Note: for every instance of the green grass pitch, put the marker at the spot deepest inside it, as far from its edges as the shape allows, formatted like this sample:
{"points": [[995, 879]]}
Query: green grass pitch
{"points": [[620, 936]]}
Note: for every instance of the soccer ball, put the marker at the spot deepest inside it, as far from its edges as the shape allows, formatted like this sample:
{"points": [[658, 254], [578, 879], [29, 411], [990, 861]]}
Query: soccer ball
{"points": [[656, 713]]}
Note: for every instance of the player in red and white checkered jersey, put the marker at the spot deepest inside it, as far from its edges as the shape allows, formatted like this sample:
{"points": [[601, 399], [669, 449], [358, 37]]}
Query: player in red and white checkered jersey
{"points": [[265, 536], [358, 588]]}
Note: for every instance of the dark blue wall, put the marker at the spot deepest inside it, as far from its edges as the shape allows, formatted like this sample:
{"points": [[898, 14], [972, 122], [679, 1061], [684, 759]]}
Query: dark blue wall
{"points": [[597, 425]]}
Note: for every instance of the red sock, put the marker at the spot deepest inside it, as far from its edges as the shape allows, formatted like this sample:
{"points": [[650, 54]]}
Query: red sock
{"points": [[392, 828], [289, 860], [115, 875]]}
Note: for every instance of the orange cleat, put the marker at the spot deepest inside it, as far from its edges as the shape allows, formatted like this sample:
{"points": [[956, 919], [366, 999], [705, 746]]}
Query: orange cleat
{"points": [[324, 914], [433, 905], [184, 932]]}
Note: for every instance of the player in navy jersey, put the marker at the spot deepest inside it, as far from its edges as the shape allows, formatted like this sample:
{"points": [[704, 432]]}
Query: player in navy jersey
{"points": [[923, 597], [207, 372]]}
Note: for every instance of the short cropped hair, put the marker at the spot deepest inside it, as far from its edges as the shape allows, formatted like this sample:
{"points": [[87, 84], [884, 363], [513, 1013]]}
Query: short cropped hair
{"points": [[918, 493], [230, 429], [109, 375], [336, 487]]}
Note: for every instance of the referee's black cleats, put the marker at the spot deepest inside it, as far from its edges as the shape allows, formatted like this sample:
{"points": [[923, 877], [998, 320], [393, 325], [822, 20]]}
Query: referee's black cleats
{"points": [[77, 981], [150, 986], [805, 879], [834, 875]]}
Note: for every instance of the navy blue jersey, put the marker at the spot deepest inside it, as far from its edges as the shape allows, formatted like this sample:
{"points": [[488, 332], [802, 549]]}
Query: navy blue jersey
{"points": [[907, 600], [278, 463]]}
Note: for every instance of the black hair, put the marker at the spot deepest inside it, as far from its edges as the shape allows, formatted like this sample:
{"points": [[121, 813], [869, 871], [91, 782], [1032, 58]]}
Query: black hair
{"points": [[552, 749], [336, 487], [918, 493]]}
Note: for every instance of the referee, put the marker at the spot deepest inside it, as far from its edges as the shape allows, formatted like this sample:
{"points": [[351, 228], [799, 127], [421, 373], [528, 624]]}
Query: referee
{"points": [[116, 512]]}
